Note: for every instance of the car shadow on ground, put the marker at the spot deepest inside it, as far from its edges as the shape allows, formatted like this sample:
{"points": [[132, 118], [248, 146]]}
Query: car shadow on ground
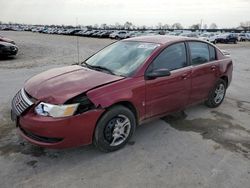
{"points": [[2, 58]]}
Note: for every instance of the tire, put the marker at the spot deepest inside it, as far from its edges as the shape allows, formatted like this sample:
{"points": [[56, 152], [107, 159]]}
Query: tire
{"points": [[108, 126], [117, 38], [216, 96]]}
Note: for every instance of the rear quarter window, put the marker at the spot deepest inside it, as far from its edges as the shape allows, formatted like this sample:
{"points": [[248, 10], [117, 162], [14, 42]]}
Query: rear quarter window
{"points": [[212, 53]]}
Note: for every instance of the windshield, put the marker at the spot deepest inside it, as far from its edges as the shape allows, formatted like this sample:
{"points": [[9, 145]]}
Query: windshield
{"points": [[123, 57]]}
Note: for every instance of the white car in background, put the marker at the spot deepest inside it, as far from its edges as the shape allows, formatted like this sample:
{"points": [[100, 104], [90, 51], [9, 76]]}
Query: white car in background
{"points": [[244, 36], [118, 35], [210, 37]]}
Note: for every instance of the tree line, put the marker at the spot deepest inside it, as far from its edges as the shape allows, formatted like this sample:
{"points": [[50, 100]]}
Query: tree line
{"points": [[130, 26]]}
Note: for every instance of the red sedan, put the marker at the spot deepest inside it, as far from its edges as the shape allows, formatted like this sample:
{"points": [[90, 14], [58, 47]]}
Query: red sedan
{"points": [[102, 100]]}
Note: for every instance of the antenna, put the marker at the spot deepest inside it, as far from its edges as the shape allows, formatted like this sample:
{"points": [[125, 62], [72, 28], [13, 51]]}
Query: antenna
{"points": [[77, 44]]}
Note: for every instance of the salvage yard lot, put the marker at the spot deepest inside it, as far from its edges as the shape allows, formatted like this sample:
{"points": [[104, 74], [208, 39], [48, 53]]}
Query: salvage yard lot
{"points": [[201, 147]]}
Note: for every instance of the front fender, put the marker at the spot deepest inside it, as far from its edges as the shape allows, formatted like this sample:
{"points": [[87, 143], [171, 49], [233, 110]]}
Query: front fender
{"points": [[130, 90]]}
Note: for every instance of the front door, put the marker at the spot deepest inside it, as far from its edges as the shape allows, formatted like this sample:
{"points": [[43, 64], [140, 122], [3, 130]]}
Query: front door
{"points": [[170, 93]]}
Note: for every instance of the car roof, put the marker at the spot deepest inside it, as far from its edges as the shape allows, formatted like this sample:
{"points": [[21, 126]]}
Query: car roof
{"points": [[159, 39]]}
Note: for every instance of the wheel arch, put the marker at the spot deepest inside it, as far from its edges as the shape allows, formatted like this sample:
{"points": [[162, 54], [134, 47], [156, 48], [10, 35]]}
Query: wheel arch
{"points": [[225, 78], [128, 105]]}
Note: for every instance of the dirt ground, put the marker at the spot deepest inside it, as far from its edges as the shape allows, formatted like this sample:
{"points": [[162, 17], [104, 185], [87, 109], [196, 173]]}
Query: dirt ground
{"points": [[200, 147]]}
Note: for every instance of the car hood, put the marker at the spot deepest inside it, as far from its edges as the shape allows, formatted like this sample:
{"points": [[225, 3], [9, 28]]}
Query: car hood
{"points": [[6, 44], [58, 85]]}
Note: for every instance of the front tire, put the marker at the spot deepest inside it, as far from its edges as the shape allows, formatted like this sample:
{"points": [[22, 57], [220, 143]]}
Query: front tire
{"points": [[216, 96], [114, 129]]}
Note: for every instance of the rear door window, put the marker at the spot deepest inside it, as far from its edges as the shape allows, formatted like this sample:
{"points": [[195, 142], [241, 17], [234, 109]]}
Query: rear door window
{"points": [[199, 53]]}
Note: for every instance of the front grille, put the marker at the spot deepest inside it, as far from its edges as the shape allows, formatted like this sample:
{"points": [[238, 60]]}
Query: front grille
{"points": [[21, 102], [12, 48]]}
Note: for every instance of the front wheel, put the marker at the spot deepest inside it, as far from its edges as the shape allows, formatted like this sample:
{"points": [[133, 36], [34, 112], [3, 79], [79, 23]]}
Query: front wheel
{"points": [[114, 129], [216, 96]]}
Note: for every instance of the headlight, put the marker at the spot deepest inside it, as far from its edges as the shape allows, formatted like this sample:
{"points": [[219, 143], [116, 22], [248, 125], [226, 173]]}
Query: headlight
{"points": [[45, 109]]}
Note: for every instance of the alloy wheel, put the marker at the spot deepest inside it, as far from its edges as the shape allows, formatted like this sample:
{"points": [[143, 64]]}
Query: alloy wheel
{"points": [[117, 130], [219, 93]]}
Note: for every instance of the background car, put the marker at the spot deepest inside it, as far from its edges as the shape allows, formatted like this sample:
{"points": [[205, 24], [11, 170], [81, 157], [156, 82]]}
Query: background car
{"points": [[192, 35], [118, 35], [227, 38], [244, 36], [4, 39], [8, 49]]}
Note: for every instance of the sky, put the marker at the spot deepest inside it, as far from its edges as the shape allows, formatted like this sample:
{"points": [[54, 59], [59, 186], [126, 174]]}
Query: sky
{"points": [[225, 13]]}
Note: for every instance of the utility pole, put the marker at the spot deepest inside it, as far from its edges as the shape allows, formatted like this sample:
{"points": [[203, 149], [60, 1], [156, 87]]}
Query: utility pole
{"points": [[77, 44]]}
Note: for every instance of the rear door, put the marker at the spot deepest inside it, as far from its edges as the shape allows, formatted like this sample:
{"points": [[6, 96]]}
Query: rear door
{"points": [[204, 70], [170, 93]]}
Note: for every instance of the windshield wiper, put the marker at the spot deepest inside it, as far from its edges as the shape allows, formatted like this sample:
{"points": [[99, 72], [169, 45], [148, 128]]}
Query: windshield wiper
{"points": [[102, 68], [99, 68], [87, 65]]}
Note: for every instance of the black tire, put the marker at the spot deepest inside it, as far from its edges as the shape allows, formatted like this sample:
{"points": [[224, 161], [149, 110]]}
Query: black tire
{"points": [[105, 128], [211, 101]]}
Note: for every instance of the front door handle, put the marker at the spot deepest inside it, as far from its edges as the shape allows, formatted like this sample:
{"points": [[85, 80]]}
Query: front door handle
{"points": [[184, 76]]}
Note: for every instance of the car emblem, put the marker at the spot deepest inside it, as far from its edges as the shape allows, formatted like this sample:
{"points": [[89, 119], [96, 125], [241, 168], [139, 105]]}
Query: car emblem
{"points": [[18, 101]]}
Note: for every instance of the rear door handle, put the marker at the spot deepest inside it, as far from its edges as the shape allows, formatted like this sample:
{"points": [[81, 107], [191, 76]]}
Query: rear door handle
{"points": [[213, 68]]}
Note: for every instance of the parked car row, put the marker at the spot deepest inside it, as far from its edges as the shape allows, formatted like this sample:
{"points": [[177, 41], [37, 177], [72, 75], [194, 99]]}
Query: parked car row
{"points": [[215, 37], [123, 34]]}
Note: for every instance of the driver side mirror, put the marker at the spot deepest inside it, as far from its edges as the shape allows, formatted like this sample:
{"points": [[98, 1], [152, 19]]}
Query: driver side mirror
{"points": [[157, 73]]}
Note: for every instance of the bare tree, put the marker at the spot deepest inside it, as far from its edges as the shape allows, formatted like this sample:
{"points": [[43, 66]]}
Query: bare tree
{"points": [[213, 26], [128, 25], [166, 26], [118, 26], [104, 26], [195, 26], [159, 26], [245, 25], [177, 26], [96, 26]]}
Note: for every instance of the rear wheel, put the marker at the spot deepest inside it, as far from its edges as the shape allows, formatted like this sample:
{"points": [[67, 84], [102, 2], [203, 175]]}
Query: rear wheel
{"points": [[216, 96], [114, 129]]}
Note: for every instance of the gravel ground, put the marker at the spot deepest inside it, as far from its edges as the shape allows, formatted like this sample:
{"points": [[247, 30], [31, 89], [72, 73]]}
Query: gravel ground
{"points": [[200, 147]]}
